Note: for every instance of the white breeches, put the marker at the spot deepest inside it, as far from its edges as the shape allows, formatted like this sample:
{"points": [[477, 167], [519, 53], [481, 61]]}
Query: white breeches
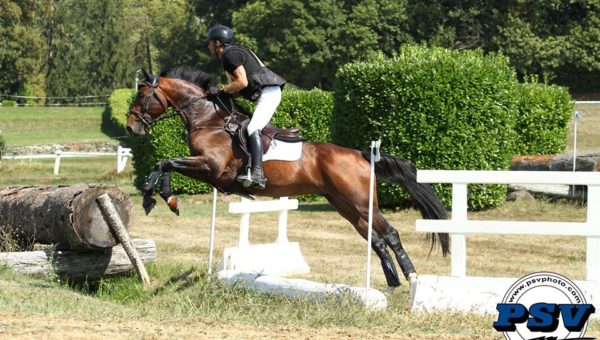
{"points": [[265, 108]]}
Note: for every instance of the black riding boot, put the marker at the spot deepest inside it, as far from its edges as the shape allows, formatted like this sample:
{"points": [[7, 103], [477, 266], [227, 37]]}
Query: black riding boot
{"points": [[256, 151]]}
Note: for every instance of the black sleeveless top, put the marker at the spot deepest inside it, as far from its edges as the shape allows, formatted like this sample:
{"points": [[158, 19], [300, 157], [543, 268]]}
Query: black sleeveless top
{"points": [[257, 73]]}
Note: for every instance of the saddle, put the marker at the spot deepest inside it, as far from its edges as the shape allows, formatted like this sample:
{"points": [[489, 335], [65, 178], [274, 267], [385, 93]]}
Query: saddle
{"points": [[238, 126], [268, 133]]}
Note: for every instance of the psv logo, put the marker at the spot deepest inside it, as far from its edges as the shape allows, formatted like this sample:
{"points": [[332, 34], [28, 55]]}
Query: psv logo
{"points": [[543, 305]]}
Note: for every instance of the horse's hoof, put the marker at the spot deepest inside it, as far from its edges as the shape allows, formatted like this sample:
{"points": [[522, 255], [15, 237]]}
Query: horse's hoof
{"points": [[390, 290], [148, 204], [412, 278], [173, 204]]}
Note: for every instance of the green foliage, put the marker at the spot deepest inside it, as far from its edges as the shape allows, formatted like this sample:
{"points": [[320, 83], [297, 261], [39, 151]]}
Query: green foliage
{"points": [[114, 117], [322, 35], [119, 105], [90, 47], [9, 103], [542, 120], [22, 45], [167, 138], [310, 110], [557, 40], [438, 108]]}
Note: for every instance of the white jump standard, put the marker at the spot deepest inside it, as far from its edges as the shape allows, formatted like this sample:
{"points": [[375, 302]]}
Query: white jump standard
{"points": [[262, 267]]}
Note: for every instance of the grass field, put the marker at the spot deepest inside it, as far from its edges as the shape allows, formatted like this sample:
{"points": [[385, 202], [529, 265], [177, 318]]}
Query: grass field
{"points": [[184, 302], [62, 125]]}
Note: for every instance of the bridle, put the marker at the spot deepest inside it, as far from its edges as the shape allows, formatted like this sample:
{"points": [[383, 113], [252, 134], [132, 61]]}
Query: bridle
{"points": [[144, 116]]}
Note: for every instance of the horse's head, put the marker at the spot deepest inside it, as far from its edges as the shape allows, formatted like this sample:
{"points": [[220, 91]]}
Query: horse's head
{"points": [[149, 104]]}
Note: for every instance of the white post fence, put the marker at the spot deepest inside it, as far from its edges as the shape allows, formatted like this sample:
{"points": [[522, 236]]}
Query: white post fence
{"points": [[122, 155], [459, 226]]}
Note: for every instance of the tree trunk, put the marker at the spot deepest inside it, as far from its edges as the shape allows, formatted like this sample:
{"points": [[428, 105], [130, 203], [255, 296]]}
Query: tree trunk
{"points": [[65, 215], [72, 265]]}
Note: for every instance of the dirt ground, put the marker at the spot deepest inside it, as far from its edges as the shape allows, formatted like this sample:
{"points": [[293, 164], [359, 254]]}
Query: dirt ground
{"points": [[15, 326]]}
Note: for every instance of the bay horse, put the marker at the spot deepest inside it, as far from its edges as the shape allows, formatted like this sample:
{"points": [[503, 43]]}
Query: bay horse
{"points": [[339, 174]]}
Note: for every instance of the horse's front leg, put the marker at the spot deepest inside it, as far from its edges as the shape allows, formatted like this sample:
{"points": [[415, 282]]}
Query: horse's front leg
{"points": [[148, 189], [194, 167]]}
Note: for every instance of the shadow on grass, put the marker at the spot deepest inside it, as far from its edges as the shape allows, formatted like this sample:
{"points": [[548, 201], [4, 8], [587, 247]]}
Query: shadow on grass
{"points": [[181, 281], [315, 207], [111, 127]]}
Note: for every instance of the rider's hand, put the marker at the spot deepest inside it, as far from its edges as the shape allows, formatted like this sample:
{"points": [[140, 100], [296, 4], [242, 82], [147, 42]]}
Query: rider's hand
{"points": [[213, 91]]}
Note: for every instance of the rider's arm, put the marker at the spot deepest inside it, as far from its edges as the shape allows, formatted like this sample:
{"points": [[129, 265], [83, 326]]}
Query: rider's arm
{"points": [[238, 80]]}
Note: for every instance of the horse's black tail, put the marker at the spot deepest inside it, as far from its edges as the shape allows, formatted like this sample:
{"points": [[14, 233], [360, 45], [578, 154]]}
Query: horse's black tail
{"points": [[401, 171]]}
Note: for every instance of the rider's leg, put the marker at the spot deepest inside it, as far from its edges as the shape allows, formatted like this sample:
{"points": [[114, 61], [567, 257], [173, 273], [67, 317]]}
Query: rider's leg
{"points": [[265, 108], [256, 152]]}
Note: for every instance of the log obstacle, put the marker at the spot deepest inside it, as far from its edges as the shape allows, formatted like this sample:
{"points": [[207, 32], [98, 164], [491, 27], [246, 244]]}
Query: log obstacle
{"points": [[84, 223], [65, 215], [74, 265]]}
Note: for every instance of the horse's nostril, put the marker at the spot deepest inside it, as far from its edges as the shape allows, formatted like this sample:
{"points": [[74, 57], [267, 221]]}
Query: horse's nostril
{"points": [[129, 130]]}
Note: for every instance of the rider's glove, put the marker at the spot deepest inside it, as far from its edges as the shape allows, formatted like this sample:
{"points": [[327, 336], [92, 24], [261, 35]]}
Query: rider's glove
{"points": [[213, 91]]}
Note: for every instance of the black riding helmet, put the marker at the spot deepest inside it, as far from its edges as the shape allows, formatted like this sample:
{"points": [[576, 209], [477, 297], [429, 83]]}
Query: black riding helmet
{"points": [[222, 33]]}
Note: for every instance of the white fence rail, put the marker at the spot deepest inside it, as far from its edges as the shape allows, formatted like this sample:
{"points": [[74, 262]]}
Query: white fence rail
{"points": [[468, 294], [122, 155], [459, 225]]}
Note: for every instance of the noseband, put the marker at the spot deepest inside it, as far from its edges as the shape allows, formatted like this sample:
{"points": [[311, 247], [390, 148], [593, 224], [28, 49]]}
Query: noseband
{"points": [[143, 116]]}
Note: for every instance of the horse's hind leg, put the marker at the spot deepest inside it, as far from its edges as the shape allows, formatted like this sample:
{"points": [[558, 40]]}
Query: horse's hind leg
{"points": [[392, 238], [348, 210]]}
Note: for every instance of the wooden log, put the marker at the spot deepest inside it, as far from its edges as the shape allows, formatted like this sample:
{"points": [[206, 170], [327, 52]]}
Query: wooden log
{"points": [[75, 266], [112, 217], [64, 215]]}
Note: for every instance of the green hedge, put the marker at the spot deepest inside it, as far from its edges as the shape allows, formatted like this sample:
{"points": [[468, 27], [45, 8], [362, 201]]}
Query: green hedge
{"points": [[310, 110], [119, 105], [9, 103], [544, 112], [441, 109], [114, 117]]}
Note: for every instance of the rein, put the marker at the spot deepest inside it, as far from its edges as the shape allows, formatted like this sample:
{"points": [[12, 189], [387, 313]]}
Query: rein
{"points": [[228, 127], [230, 122]]}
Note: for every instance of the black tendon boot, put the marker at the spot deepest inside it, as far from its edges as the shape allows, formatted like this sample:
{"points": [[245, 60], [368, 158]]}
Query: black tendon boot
{"points": [[257, 179]]}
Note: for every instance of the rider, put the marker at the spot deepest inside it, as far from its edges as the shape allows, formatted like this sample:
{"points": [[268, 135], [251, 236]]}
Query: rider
{"points": [[248, 77]]}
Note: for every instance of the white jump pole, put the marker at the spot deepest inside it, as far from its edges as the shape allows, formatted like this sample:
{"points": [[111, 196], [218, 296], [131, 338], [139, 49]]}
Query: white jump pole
{"points": [[374, 158], [576, 118], [213, 219]]}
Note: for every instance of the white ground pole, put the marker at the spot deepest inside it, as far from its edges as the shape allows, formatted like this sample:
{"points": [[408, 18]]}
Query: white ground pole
{"points": [[576, 118], [213, 220], [374, 158]]}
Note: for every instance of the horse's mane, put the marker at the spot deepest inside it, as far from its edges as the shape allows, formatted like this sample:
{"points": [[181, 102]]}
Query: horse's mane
{"points": [[187, 73], [203, 80]]}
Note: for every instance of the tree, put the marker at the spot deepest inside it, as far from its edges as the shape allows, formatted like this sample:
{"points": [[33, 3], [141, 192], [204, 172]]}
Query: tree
{"points": [[176, 34], [88, 48], [293, 37], [557, 40], [22, 47]]}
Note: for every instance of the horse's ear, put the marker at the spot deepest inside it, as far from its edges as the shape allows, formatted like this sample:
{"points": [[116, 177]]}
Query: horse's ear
{"points": [[147, 75]]}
